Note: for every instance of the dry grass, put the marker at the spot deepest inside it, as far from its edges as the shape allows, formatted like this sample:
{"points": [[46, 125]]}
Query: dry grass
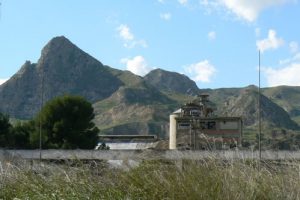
{"points": [[207, 179]]}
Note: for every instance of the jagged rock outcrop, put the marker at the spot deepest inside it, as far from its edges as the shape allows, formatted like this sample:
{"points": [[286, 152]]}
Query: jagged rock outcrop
{"points": [[172, 82], [20, 96]]}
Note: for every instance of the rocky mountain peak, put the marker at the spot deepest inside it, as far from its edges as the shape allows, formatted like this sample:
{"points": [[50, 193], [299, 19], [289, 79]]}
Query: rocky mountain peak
{"points": [[63, 68], [172, 82], [57, 44], [61, 52]]}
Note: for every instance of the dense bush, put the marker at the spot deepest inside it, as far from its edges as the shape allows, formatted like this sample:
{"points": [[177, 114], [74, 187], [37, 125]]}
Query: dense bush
{"points": [[5, 131], [67, 123]]}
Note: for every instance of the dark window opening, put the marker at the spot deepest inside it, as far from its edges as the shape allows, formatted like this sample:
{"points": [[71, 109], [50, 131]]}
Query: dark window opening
{"points": [[184, 125], [203, 125], [211, 125]]}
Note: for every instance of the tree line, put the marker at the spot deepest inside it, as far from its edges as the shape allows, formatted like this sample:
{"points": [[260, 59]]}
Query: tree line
{"points": [[65, 122]]}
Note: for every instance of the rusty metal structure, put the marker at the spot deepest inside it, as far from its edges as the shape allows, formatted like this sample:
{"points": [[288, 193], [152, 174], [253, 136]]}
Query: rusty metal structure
{"points": [[195, 126]]}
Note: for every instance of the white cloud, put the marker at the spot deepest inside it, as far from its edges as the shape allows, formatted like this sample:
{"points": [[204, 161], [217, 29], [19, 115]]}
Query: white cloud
{"points": [[257, 32], [128, 38], [134, 43], [248, 10], [288, 75], [272, 42], [212, 35], [137, 65], [125, 32], [3, 80], [294, 47], [295, 58], [202, 71], [166, 16], [183, 2], [161, 1]]}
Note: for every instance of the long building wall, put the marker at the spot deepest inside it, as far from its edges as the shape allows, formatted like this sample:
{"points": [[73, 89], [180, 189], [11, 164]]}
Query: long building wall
{"points": [[144, 155]]}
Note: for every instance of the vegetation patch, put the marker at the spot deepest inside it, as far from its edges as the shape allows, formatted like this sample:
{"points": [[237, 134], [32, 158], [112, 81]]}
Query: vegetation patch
{"points": [[205, 179]]}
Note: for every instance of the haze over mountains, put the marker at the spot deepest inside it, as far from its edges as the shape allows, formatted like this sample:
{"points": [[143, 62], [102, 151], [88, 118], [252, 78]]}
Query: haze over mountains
{"points": [[129, 104]]}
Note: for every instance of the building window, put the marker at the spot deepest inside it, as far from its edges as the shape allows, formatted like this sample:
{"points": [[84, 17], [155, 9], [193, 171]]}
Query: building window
{"points": [[184, 125], [195, 112], [211, 125], [203, 125]]}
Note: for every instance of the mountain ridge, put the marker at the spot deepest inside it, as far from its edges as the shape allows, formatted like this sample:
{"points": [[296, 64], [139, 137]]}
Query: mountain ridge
{"points": [[125, 101]]}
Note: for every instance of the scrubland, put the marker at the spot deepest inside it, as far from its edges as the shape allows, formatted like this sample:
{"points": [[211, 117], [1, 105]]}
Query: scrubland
{"points": [[205, 179]]}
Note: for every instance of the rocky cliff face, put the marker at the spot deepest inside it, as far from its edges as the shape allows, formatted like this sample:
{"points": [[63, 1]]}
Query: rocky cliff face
{"points": [[62, 68], [20, 96], [68, 69]]}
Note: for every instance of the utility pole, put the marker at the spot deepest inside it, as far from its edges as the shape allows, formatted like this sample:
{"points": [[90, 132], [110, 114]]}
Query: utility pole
{"points": [[41, 106], [259, 109]]}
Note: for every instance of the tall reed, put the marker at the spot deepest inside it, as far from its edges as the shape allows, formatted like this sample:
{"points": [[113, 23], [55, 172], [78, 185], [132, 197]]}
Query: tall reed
{"points": [[205, 179]]}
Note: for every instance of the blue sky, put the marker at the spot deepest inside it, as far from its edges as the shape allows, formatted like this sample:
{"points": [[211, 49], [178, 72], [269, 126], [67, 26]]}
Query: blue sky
{"points": [[214, 42]]}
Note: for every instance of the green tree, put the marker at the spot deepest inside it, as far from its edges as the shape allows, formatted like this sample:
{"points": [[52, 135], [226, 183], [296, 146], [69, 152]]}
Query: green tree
{"points": [[22, 132], [6, 138], [66, 123]]}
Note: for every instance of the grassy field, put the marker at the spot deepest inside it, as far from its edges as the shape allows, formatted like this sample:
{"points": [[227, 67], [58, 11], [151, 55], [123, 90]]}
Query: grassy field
{"points": [[208, 179]]}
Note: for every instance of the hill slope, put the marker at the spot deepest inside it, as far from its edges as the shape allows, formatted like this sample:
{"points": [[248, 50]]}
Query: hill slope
{"points": [[171, 82], [285, 96], [246, 105], [139, 109]]}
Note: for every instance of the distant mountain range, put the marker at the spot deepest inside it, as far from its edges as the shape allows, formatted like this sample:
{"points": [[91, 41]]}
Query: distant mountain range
{"points": [[125, 103]]}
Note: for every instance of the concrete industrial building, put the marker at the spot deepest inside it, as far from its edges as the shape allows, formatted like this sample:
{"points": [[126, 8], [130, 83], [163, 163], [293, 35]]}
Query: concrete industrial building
{"points": [[194, 126]]}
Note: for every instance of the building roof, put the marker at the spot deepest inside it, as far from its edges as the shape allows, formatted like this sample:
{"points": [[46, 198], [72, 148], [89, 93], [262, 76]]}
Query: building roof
{"points": [[129, 145], [177, 111]]}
